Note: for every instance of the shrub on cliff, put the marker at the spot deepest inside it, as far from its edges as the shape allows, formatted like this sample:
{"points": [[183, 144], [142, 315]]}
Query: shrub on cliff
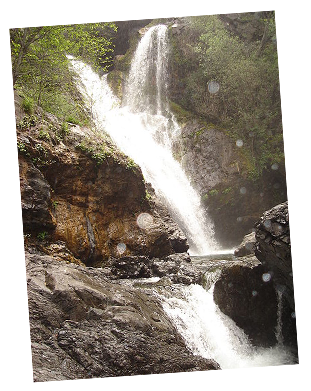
{"points": [[239, 56], [40, 64]]}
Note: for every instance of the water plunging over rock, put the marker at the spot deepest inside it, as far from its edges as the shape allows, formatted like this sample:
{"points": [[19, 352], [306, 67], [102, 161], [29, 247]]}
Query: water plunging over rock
{"points": [[143, 129]]}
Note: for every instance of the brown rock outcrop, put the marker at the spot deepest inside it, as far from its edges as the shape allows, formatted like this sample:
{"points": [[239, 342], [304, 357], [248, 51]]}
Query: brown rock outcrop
{"points": [[82, 191]]}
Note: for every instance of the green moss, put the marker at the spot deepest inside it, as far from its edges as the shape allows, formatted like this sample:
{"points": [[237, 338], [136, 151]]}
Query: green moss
{"points": [[44, 135], [182, 115], [99, 153], [42, 235], [115, 80], [213, 192], [130, 164]]}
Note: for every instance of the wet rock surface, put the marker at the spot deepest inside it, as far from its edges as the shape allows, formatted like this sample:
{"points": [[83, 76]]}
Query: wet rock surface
{"points": [[273, 248], [252, 295], [84, 325], [247, 246], [243, 295]]}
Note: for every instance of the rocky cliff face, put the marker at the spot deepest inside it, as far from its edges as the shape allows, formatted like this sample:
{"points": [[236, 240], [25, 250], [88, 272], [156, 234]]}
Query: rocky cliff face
{"points": [[252, 295], [77, 188], [243, 295], [216, 168]]}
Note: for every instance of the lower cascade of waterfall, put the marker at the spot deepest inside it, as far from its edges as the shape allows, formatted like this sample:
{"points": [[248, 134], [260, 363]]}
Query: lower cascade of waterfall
{"points": [[211, 334]]}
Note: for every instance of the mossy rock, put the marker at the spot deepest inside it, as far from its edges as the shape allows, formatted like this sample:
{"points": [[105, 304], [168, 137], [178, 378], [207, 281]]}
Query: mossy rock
{"points": [[115, 80]]}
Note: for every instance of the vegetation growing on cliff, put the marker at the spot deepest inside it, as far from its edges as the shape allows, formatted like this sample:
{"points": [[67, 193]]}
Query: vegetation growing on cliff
{"points": [[240, 55], [40, 64]]}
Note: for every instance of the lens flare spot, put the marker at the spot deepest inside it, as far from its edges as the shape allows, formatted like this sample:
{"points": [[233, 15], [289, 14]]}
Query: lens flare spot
{"points": [[144, 220], [267, 224], [275, 166], [213, 87], [239, 143], [121, 248], [266, 277]]}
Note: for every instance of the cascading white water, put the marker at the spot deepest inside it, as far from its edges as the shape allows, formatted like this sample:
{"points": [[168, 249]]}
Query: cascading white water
{"points": [[211, 334], [147, 83], [143, 128]]}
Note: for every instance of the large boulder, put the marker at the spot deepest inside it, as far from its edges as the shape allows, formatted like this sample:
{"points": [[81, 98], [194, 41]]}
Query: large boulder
{"points": [[245, 294], [247, 246], [259, 296], [84, 325], [273, 248]]}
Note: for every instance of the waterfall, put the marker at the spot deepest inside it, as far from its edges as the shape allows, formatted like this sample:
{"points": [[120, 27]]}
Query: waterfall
{"points": [[147, 84], [143, 128], [211, 334]]}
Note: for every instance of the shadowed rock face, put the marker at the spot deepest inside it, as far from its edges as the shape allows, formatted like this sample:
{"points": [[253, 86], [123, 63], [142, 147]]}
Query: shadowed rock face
{"points": [[251, 294], [83, 326], [242, 294], [274, 249], [85, 193]]}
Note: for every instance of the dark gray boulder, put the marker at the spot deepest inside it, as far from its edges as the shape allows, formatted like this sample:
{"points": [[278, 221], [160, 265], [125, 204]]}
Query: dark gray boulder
{"points": [[273, 248], [249, 299], [247, 246]]}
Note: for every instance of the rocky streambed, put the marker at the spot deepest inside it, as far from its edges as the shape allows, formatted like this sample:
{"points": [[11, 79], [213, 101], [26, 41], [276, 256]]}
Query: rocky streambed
{"points": [[99, 248], [85, 325]]}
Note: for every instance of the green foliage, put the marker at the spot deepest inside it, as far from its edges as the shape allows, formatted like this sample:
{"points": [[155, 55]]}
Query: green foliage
{"points": [[28, 105], [22, 148], [99, 153], [204, 197], [41, 68], [227, 190], [42, 235], [65, 129], [44, 135], [73, 120], [148, 196], [213, 192], [27, 122], [130, 164], [245, 66]]}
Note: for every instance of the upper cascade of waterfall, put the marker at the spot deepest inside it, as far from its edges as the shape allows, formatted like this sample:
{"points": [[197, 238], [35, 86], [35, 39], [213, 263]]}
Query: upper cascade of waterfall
{"points": [[146, 89], [144, 129]]}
